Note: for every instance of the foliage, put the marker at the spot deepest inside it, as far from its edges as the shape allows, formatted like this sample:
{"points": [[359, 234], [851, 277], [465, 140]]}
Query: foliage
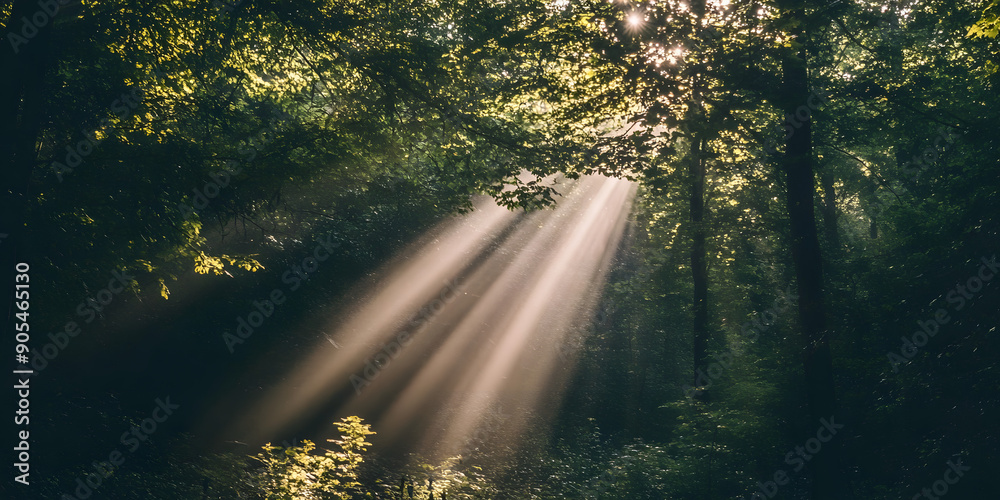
{"points": [[260, 125], [295, 472], [989, 25]]}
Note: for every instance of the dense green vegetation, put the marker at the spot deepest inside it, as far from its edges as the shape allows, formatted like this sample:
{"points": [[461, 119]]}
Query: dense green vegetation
{"points": [[812, 244]]}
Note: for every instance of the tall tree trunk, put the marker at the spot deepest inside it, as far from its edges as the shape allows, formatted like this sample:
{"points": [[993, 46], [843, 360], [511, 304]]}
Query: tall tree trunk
{"points": [[699, 260], [798, 166], [891, 39], [830, 209]]}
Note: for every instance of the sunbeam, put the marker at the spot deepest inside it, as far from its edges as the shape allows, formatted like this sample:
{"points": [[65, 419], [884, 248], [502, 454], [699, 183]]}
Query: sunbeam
{"points": [[476, 316]]}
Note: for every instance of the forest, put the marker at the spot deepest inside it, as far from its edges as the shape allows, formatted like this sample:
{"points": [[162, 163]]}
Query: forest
{"points": [[508, 249]]}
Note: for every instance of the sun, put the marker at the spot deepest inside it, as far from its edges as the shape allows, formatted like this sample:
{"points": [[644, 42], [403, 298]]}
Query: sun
{"points": [[635, 20]]}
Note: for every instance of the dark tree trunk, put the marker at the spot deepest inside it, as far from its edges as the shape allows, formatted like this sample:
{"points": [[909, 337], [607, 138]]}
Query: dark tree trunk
{"points": [[797, 163], [699, 260], [830, 209]]}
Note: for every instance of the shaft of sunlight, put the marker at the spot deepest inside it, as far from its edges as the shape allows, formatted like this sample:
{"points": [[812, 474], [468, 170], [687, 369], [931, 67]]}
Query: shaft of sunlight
{"points": [[490, 304]]}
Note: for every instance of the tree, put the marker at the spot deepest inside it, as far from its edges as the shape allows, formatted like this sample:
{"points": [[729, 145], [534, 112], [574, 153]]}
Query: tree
{"points": [[800, 181]]}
